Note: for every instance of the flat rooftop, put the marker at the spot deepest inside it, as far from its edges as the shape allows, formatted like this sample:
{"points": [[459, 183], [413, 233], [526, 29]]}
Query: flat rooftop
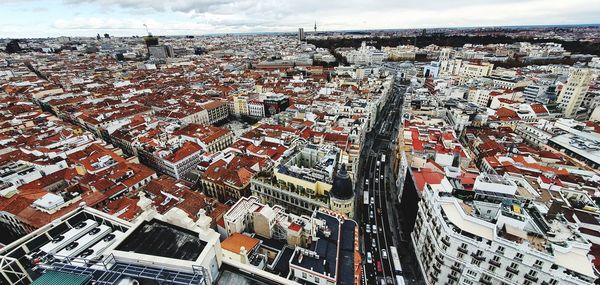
{"points": [[334, 250], [158, 238]]}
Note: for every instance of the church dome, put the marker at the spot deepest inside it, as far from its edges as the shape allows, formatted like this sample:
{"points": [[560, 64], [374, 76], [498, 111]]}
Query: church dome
{"points": [[342, 188]]}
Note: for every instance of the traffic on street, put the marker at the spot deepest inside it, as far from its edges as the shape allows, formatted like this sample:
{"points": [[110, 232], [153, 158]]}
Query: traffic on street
{"points": [[384, 249]]}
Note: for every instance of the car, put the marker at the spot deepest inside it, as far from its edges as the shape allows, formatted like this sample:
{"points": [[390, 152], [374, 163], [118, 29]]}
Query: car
{"points": [[369, 258], [371, 214], [372, 200], [374, 228], [384, 253], [374, 243], [381, 176], [367, 182], [368, 228], [379, 267]]}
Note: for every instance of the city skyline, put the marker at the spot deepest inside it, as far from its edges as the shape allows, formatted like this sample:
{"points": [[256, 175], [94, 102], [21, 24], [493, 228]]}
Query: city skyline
{"points": [[40, 18]]}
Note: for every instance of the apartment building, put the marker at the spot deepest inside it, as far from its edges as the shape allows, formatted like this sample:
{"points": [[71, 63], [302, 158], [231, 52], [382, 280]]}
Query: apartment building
{"points": [[497, 238], [572, 94]]}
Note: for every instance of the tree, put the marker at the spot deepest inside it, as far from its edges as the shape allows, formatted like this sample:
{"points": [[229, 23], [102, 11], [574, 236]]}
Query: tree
{"points": [[13, 46]]}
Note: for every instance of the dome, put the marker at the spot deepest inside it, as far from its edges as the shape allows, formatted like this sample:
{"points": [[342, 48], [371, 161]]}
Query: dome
{"points": [[342, 188]]}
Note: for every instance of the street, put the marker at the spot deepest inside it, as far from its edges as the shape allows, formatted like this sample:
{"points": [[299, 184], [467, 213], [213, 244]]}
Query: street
{"points": [[377, 212]]}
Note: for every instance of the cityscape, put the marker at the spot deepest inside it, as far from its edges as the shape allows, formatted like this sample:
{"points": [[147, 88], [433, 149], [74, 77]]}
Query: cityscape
{"points": [[252, 145]]}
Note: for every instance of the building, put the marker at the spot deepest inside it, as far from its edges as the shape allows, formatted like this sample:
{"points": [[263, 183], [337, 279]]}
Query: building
{"points": [[365, 55], [324, 245], [243, 249], [96, 247], [302, 181], [217, 110], [333, 255], [161, 51], [176, 161], [572, 94], [341, 196], [497, 238], [301, 35]]}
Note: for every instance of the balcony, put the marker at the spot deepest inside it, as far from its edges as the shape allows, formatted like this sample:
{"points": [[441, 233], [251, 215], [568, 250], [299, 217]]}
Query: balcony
{"points": [[486, 282], [463, 250], [494, 263], [456, 268], [445, 242], [512, 270], [478, 257], [531, 278], [439, 258], [453, 278]]}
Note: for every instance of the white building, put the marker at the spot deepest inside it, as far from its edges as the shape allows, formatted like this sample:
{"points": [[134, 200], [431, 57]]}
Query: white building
{"points": [[495, 239], [572, 94]]}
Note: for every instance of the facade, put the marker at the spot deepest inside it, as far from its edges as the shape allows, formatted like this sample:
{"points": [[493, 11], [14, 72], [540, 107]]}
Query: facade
{"points": [[316, 265], [302, 181], [89, 243], [175, 163], [500, 243], [311, 239], [573, 93], [341, 196], [217, 110], [534, 93]]}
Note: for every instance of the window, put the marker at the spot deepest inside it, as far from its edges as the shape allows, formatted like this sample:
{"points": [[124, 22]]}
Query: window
{"points": [[471, 273], [492, 268], [508, 275], [486, 277], [553, 282], [500, 249], [304, 275], [463, 245], [527, 282], [519, 256], [538, 263], [316, 279], [532, 272], [460, 255], [496, 258], [514, 265], [475, 262]]}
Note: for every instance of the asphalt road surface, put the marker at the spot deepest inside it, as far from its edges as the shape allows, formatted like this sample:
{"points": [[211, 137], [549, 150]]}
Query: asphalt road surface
{"points": [[380, 212]]}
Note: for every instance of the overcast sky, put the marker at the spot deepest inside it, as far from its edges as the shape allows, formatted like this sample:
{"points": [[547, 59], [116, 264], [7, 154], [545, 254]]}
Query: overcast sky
{"points": [[50, 18]]}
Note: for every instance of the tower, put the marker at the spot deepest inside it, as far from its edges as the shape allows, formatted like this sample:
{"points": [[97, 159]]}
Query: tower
{"points": [[301, 35], [315, 26], [341, 195], [572, 94]]}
